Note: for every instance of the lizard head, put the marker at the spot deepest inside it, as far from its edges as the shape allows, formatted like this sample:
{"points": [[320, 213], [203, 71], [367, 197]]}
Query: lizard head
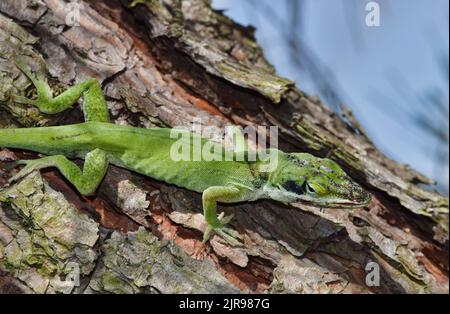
{"points": [[319, 181]]}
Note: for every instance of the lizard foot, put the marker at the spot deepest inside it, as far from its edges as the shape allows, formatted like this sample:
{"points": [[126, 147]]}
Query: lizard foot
{"points": [[23, 100], [231, 236], [30, 166]]}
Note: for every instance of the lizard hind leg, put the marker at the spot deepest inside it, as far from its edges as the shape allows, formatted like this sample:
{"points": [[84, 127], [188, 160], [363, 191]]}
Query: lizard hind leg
{"points": [[85, 180], [94, 106]]}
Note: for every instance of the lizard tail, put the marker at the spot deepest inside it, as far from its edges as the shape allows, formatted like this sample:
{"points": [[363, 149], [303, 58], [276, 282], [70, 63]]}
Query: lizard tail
{"points": [[45, 140]]}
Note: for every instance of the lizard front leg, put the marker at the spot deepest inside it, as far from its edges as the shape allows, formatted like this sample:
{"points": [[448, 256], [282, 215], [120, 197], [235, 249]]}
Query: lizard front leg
{"points": [[210, 197], [86, 181]]}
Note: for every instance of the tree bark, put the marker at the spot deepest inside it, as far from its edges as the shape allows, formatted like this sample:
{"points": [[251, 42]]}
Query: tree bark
{"points": [[166, 63]]}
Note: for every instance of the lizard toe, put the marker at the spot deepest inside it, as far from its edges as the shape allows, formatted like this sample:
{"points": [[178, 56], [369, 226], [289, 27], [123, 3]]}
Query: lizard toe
{"points": [[207, 234], [230, 236], [226, 219], [30, 166]]}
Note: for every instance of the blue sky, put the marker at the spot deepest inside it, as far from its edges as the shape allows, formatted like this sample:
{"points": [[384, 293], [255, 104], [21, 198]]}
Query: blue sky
{"points": [[379, 70]]}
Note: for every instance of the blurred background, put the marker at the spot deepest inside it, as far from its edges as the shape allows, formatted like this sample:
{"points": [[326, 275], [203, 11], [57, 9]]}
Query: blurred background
{"points": [[394, 76]]}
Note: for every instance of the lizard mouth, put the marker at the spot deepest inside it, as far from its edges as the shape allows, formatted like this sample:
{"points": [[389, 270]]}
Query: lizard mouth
{"points": [[345, 205], [337, 204]]}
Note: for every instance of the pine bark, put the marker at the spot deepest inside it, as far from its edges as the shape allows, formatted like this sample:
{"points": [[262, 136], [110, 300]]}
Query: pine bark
{"points": [[166, 63]]}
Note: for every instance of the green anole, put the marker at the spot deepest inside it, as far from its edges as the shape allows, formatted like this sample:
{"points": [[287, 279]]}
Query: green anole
{"points": [[296, 177]]}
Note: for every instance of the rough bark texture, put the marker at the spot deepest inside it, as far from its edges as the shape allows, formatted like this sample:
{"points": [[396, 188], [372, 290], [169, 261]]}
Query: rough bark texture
{"points": [[165, 63]]}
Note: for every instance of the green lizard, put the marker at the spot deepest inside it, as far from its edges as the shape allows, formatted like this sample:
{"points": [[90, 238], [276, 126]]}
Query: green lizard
{"points": [[297, 176]]}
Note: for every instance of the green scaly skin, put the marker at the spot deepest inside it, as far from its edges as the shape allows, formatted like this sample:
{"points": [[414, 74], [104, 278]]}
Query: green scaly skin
{"points": [[297, 176]]}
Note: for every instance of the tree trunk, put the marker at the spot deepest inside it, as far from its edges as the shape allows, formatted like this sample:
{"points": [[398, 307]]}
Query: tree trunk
{"points": [[166, 63]]}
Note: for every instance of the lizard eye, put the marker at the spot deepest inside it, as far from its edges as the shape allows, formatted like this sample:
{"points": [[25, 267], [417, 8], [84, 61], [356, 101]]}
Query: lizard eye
{"points": [[294, 187], [309, 189]]}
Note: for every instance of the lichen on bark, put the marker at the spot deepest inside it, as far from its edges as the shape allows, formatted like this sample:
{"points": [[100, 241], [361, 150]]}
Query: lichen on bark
{"points": [[43, 236], [139, 263]]}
